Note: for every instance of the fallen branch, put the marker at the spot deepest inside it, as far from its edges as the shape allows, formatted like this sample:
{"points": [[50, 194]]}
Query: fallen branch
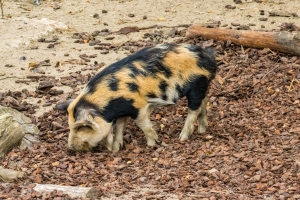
{"points": [[8, 77], [131, 29], [287, 42], [282, 14], [1, 7], [72, 191]]}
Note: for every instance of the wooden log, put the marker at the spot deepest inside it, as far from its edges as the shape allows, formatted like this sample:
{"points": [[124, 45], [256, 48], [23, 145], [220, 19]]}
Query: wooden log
{"points": [[287, 42], [72, 191]]}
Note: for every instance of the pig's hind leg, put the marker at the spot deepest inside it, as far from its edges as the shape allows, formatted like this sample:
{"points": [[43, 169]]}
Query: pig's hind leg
{"points": [[195, 97], [202, 117]]}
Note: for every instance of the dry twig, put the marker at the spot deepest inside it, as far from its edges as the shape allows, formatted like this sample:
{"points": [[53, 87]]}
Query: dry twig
{"points": [[1, 6], [291, 85]]}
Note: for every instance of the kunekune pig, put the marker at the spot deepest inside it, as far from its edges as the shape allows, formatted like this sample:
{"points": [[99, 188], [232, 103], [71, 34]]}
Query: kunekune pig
{"points": [[133, 87]]}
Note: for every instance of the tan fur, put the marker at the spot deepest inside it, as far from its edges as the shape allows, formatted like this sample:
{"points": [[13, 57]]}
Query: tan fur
{"points": [[71, 107], [139, 65], [185, 63]]}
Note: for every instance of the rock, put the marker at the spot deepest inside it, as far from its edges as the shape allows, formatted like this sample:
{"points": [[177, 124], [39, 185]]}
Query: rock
{"points": [[263, 19], [262, 12], [172, 32], [96, 15], [230, 7], [13, 127], [34, 30], [11, 133], [37, 2], [238, 1], [235, 24], [50, 46], [9, 175], [27, 141], [24, 121], [143, 179], [256, 178], [213, 170]]}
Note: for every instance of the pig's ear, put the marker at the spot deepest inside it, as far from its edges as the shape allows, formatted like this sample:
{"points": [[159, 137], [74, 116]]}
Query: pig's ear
{"points": [[63, 105], [84, 122], [84, 116], [84, 126]]}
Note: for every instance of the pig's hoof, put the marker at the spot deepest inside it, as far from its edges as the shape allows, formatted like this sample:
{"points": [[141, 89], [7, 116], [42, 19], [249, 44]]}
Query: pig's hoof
{"points": [[201, 129], [117, 145], [151, 142], [182, 139], [183, 136]]}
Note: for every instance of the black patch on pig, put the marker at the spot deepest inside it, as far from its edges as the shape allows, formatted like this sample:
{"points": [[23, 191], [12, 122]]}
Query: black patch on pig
{"points": [[175, 100], [197, 91], [119, 107], [113, 83], [163, 88], [133, 87], [184, 90], [134, 71], [151, 95], [178, 89], [164, 97]]}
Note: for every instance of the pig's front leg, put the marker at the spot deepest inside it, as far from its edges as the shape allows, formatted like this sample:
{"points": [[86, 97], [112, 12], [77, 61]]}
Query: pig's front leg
{"points": [[118, 138], [144, 123]]}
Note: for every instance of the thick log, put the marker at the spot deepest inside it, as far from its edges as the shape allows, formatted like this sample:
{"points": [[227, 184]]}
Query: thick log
{"points": [[287, 42], [72, 191]]}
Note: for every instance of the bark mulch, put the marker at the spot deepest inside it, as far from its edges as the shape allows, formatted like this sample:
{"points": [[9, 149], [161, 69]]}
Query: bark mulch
{"points": [[251, 148]]}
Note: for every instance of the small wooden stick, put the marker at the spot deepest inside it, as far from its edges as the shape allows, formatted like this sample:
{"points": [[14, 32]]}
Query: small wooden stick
{"points": [[291, 85], [1, 6]]}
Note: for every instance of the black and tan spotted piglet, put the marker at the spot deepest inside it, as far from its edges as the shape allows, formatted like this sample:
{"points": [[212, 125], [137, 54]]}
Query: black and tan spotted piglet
{"points": [[133, 87]]}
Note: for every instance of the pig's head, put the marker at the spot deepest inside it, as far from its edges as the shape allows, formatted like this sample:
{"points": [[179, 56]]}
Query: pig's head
{"points": [[87, 127]]}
